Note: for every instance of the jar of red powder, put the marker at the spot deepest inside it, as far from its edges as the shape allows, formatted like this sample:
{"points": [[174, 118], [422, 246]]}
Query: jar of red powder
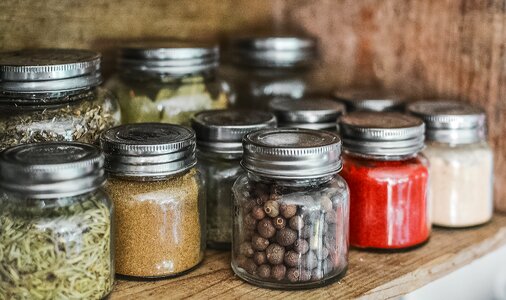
{"points": [[388, 180]]}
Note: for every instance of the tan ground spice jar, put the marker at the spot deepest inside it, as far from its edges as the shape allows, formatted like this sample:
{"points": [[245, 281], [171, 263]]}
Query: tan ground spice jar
{"points": [[159, 213]]}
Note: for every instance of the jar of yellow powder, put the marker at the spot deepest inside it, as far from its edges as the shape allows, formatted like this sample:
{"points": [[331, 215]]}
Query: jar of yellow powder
{"points": [[159, 209]]}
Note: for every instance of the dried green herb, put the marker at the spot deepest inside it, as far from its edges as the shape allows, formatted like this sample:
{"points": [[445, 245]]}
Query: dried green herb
{"points": [[61, 252], [81, 121]]}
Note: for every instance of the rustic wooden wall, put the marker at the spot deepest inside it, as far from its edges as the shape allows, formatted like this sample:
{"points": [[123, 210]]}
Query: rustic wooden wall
{"points": [[424, 48]]}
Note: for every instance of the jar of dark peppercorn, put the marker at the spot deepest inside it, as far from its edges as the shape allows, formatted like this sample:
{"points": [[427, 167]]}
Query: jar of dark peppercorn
{"points": [[388, 180], [291, 210]]}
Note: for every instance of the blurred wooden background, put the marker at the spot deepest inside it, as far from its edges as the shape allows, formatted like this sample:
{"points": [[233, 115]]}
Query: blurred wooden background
{"points": [[424, 48]]}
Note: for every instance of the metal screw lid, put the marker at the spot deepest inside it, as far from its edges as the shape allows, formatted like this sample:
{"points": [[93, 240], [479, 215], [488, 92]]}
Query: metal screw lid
{"points": [[309, 113], [221, 131], [274, 51], [451, 121], [168, 57], [369, 100], [148, 149], [51, 170], [382, 133], [291, 153], [49, 70]]}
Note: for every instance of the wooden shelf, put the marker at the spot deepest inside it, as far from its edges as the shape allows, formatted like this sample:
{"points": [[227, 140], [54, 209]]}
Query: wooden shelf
{"points": [[370, 275]]}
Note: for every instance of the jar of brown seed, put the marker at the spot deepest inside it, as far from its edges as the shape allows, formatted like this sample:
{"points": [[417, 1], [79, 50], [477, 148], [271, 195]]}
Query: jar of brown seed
{"points": [[156, 190], [291, 210]]}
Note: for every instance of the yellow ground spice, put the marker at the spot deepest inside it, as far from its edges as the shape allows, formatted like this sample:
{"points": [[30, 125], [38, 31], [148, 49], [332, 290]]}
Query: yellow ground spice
{"points": [[158, 225]]}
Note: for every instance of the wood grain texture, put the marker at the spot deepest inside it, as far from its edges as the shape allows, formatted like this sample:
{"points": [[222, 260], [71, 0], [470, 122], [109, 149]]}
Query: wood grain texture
{"points": [[370, 275]]}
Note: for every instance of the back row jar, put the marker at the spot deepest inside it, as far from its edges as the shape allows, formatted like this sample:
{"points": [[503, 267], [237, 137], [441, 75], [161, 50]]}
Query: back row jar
{"points": [[260, 68], [291, 210], [388, 180], [53, 95], [168, 81]]}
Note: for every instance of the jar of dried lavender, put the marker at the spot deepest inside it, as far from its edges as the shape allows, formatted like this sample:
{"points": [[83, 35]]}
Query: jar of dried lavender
{"points": [[53, 95], [291, 210], [219, 136]]}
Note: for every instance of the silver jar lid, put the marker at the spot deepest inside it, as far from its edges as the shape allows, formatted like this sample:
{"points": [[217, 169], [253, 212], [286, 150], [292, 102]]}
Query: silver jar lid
{"points": [[309, 113], [274, 51], [382, 133], [292, 153], [51, 170], [175, 58], [49, 70], [369, 100], [148, 149], [221, 131], [451, 121]]}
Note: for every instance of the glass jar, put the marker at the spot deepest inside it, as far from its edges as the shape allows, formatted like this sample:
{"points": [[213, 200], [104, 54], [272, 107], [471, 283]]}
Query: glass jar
{"points": [[219, 137], [370, 99], [309, 113], [168, 82], [55, 223], [291, 210], [53, 95], [260, 68], [388, 179], [157, 194], [461, 162]]}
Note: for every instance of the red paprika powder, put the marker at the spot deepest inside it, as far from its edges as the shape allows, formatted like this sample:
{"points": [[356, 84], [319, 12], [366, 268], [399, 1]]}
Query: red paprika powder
{"points": [[388, 180]]}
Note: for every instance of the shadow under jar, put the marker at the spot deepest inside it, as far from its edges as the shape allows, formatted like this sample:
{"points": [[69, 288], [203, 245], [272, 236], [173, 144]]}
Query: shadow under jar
{"points": [[55, 223], [388, 180], [156, 190], [219, 137], [369, 99], [308, 113], [168, 82], [461, 162], [53, 95], [291, 210], [260, 68]]}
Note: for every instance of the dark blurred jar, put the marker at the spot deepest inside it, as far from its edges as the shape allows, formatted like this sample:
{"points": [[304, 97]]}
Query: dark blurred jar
{"points": [[367, 99], [259, 68]]}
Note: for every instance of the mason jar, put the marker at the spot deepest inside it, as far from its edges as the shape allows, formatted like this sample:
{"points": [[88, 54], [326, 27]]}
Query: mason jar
{"points": [[158, 199], [309, 113], [168, 82], [370, 99], [219, 137], [55, 223], [53, 95], [291, 210], [260, 68], [461, 162], [388, 180]]}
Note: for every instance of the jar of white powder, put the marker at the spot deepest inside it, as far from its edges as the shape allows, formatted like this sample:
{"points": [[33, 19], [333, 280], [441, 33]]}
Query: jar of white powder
{"points": [[461, 162]]}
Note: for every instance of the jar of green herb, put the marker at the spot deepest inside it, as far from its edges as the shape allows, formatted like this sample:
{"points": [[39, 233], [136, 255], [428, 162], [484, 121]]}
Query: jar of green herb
{"points": [[49, 95], [219, 137], [55, 223], [168, 81]]}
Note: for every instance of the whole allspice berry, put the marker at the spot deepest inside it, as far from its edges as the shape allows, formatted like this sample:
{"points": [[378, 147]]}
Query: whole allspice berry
{"points": [[293, 274], [266, 229], [286, 236], [264, 271], [279, 222], [331, 217], [241, 260], [275, 254], [246, 249], [288, 210], [322, 253], [259, 243], [305, 275], [310, 261], [250, 266], [278, 272], [316, 274], [271, 208], [258, 212], [249, 222], [296, 223], [292, 259], [301, 246], [260, 258]]}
